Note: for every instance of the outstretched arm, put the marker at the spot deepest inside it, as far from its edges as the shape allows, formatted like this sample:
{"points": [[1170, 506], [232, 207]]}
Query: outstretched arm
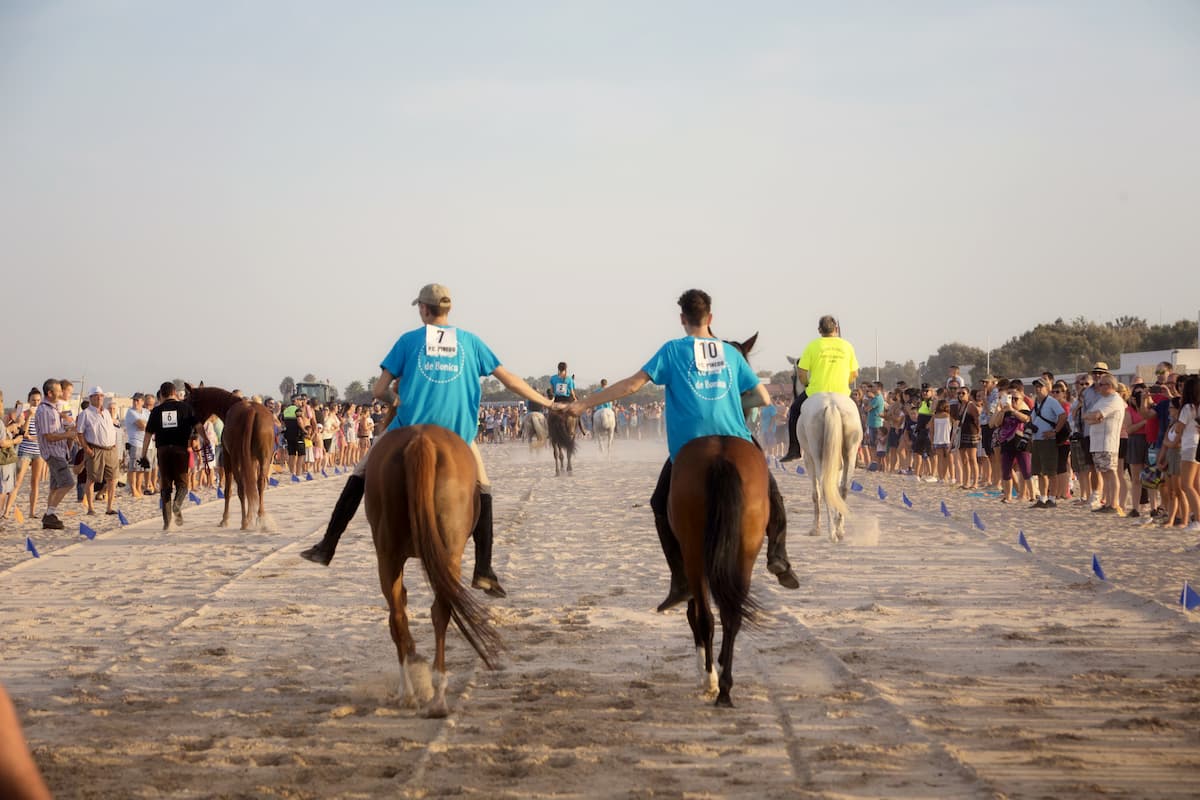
{"points": [[622, 388], [517, 384], [19, 776]]}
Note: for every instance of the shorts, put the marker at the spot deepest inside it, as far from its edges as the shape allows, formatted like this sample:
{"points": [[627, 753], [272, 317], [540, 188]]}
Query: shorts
{"points": [[1085, 446], [8, 477], [1173, 460], [1138, 449], [1104, 460], [1044, 456], [942, 448], [1078, 462], [134, 452], [1064, 458], [102, 465], [893, 439], [921, 446], [1187, 454], [61, 475], [1122, 448], [985, 438], [295, 443]]}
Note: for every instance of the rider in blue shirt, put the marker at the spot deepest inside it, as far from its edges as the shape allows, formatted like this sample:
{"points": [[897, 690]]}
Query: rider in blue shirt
{"points": [[562, 386], [437, 368], [705, 379]]}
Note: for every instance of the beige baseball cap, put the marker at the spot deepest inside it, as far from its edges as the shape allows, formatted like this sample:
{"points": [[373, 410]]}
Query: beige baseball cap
{"points": [[434, 294]]}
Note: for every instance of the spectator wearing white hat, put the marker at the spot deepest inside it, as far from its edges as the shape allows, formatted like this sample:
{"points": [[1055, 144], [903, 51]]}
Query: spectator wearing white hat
{"points": [[95, 423]]}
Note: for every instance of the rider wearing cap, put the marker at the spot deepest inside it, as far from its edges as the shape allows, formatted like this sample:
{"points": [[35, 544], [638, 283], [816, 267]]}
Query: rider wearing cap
{"points": [[704, 379], [436, 368]]}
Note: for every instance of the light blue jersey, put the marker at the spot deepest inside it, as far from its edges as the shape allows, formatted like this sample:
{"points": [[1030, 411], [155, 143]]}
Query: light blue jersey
{"points": [[439, 370], [561, 388], [704, 381]]}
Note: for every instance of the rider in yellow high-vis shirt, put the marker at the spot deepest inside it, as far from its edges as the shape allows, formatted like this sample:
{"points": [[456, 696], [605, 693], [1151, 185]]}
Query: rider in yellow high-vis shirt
{"points": [[828, 363]]}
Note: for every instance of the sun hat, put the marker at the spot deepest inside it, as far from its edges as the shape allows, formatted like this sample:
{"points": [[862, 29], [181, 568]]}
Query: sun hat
{"points": [[95, 390], [434, 294], [1100, 366]]}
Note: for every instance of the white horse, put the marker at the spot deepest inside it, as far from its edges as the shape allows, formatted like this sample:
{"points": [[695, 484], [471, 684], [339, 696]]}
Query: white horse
{"points": [[830, 431], [535, 429], [604, 426]]}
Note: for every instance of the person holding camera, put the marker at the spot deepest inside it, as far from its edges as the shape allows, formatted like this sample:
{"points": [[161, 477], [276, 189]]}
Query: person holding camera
{"points": [[1008, 422], [1047, 420]]}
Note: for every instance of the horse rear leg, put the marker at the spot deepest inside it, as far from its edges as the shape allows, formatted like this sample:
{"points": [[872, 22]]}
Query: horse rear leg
{"points": [[701, 619], [731, 623], [264, 475], [397, 597], [439, 614]]}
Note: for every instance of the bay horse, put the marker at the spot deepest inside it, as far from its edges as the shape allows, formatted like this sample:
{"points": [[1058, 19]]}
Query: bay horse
{"points": [[535, 430], [562, 439], [422, 500], [247, 446], [718, 508], [604, 426], [830, 431]]}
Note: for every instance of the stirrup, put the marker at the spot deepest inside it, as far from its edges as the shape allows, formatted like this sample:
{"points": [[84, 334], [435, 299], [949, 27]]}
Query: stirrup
{"points": [[789, 457]]}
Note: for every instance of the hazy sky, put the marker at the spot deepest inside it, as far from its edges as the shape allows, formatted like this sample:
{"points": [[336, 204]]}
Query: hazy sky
{"points": [[236, 192]]}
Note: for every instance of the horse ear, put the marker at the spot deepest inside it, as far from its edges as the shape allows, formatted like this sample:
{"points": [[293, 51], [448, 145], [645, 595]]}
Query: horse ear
{"points": [[187, 387], [748, 345]]}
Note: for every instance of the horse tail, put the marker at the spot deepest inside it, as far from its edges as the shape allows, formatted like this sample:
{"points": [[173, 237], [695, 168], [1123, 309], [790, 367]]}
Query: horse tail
{"points": [[729, 586], [831, 456], [562, 431], [245, 472], [429, 541]]}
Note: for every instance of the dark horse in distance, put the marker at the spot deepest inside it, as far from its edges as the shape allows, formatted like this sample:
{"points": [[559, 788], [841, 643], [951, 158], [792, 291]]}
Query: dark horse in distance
{"points": [[247, 445]]}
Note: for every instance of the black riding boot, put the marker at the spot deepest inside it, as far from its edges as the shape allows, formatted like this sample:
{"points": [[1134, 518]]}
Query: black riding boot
{"points": [[777, 560], [679, 586], [485, 578], [793, 416], [343, 512]]}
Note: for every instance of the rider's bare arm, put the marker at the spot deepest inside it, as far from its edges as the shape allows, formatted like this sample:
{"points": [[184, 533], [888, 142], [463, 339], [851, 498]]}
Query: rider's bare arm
{"points": [[622, 388], [514, 383]]}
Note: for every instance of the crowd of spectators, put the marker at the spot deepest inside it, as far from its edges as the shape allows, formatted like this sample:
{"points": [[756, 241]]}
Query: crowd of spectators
{"points": [[1127, 450]]}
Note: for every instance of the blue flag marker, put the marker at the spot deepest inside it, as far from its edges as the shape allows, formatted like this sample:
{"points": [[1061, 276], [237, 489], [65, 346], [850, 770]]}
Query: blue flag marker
{"points": [[324, 474], [904, 497], [882, 494], [272, 482], [29, 546], [220, 494], [978, 522], [84, 530], [1188, 598], [855, 486], [1096, 568], [945, 511], [337, 471], [1021, 540], [121, 518], [308, 476], [976, 494], [295, 479], [799, 470], [194, 498]]}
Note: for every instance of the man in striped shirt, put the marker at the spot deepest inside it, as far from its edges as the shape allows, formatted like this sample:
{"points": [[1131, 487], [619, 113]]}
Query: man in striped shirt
{"points": [[53, 442]]}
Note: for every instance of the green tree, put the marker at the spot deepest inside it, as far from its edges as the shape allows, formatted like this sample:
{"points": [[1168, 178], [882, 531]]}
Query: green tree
{"points": [[309, 378], [287, 387], [356, 393]]}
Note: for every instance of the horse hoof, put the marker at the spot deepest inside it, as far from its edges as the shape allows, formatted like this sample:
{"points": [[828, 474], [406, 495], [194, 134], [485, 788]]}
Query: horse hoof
{"points": [[223, 523], [724, 701], [437, 711]]}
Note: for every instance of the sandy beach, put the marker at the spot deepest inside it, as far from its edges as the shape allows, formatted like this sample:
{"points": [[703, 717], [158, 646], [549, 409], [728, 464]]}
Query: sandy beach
{"points": [[921, 658]]}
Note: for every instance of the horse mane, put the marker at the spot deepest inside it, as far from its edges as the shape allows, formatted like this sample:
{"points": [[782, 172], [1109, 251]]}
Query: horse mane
{"points": [[213, 399]]}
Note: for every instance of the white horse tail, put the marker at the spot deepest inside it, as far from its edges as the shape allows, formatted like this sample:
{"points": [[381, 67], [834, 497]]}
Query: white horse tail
{"points": [[831, 457]]}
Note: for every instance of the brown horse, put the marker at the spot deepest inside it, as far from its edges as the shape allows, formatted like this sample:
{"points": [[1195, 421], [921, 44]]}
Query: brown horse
{"points": [[718, 509], [562, 438], [422, 501], [247, 444]]}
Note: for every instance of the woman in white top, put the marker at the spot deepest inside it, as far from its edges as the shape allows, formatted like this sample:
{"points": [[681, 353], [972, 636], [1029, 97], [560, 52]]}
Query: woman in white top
{"points": [[1189, 440], [941, 424]]}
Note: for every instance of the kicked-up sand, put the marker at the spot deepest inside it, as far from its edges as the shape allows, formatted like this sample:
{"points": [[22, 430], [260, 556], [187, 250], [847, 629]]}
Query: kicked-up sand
{"points": [[921, 658]]}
